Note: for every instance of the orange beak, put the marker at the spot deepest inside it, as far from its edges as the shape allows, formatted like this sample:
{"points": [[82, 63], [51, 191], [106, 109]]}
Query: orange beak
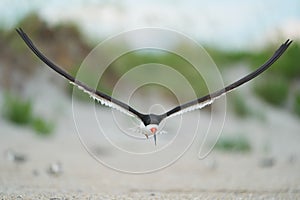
{"points": [[153, 130]]}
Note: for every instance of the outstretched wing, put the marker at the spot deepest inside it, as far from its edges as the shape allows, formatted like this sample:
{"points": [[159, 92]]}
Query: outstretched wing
{"points": [[210, 98], [97, 95]]}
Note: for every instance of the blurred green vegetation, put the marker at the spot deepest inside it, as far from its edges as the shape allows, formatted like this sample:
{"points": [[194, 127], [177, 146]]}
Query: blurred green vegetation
{"points": [[275, 91], [233, 144], [19, 111], [41, 126], [240, 106], [132, 59]]}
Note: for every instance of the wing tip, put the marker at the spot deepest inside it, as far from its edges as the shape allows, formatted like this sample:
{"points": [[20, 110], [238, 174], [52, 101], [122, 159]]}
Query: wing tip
{"points": [[20, 31], [288, 42]]}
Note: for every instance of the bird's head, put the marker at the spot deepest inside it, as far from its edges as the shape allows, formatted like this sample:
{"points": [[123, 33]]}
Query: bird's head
{"points": [[151, 129]]}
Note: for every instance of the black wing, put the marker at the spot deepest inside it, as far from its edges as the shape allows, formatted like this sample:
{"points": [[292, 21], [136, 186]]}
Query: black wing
{"points": [[209, 99], [101, 97]]}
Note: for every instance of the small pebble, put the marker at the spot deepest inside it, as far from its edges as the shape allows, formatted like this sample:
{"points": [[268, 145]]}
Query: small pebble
{"points": [[211, 164], [35, 172], [292, 159], [267, 162], [55, 169], [15, 157]]}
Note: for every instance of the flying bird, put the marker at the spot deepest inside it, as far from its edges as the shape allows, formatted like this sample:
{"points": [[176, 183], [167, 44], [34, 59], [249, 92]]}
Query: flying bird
{"points": [[149, 123]]}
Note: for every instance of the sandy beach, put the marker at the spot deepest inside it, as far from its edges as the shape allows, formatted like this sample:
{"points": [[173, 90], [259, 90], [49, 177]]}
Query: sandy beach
{"points": [[60, 167]]}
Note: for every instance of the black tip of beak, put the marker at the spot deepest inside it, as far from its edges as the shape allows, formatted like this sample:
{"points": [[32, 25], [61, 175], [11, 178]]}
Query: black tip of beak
{"points": [[154, 139]]}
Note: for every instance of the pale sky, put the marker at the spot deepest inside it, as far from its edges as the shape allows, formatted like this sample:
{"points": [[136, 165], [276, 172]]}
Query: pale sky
{"points": [[227, 23]]}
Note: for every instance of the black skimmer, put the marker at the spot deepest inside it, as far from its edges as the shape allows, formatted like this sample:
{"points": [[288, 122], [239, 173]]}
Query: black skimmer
{"points": [[149, 123]]}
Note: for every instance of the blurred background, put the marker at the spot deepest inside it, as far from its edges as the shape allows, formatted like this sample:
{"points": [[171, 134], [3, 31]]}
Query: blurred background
{"points": [[239, 36]]}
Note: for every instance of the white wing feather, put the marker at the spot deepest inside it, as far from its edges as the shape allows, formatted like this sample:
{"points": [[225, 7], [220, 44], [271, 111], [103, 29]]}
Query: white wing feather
{"points": [[105, 102], [196, 106]]}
